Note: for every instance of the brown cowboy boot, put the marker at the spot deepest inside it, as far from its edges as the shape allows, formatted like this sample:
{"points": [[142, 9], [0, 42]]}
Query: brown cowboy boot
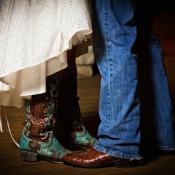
{"points": [[37, 138], [72, 132]]}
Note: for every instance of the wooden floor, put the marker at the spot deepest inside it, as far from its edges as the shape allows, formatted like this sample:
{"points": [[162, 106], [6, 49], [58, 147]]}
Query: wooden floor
{"points": [[11, 163]]}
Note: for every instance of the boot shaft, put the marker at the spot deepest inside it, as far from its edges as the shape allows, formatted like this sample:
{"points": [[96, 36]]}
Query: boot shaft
{"points": [[40, 110]]}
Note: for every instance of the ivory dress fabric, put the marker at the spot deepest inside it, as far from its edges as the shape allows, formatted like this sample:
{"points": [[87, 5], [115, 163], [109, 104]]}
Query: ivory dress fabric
{"points": [[34, 38]]}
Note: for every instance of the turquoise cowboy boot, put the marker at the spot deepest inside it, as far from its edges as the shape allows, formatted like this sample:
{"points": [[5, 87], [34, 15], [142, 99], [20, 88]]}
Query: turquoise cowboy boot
{"points": [[73, 134], [38, 140], [69, 126]]}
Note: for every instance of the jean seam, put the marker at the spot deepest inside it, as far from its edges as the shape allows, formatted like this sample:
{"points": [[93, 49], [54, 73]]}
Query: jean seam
{"points": [[110, 65]]}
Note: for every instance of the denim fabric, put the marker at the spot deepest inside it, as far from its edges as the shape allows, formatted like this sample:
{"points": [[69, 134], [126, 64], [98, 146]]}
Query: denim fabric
{"points": [[121, 65]]}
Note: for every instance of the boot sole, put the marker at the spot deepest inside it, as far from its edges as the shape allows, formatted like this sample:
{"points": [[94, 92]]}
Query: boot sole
{"points": [[29, 156]]}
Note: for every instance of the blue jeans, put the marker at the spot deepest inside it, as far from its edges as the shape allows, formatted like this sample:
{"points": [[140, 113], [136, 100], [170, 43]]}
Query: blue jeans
{"points": [[126, 64]]}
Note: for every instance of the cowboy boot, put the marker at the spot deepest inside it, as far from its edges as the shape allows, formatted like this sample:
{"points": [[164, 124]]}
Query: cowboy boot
{"points": [[69, 119], [38, 140]]}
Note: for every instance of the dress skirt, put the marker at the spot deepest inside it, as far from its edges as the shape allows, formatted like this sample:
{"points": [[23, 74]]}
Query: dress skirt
{"points": [[34, 38]]}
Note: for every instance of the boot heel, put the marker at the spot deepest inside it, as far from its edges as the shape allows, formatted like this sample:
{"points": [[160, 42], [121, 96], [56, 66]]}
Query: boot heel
{"points": [[125, 163], [28, 156]]}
